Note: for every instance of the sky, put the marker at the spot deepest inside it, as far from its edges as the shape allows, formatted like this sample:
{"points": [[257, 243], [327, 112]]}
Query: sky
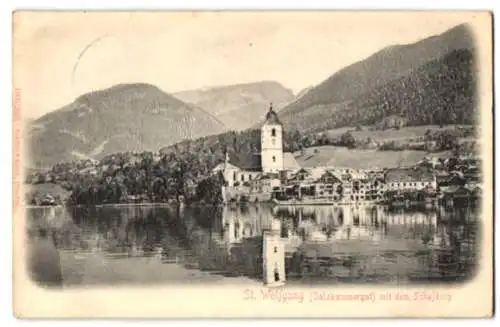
{"points": [[59, 56]]}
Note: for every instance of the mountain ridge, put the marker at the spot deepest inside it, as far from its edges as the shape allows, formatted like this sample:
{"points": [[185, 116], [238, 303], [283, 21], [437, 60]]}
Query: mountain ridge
{"points": [[378, 70], [239, 106], [123, 117], [384, 65]]}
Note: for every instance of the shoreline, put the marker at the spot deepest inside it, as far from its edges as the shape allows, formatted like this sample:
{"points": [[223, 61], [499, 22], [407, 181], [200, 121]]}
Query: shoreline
{"points": [[271, 203]]}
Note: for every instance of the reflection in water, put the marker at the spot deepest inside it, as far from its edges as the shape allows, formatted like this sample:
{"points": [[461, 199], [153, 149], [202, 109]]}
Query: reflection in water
{"points": [[322, 243]]}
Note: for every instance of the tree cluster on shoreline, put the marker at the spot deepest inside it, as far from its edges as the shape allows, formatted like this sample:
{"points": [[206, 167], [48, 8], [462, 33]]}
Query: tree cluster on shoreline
{"points": [[184, 171]]}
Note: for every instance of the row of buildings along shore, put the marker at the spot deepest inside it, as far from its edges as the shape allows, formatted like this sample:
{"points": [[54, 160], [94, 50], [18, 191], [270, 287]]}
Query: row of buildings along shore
{"points": [[275, 174]]}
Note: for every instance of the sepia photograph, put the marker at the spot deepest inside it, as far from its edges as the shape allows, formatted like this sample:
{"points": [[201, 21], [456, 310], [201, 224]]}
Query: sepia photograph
{"points": [[341, 158]]}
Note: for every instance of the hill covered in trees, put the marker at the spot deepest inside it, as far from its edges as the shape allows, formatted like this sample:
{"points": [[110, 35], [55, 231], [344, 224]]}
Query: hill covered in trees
{"points": [[430, 82], [126, 117]]}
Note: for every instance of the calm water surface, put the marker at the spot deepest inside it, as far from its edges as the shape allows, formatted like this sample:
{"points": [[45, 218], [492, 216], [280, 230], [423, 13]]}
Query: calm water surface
{"points": [[324, 244]]}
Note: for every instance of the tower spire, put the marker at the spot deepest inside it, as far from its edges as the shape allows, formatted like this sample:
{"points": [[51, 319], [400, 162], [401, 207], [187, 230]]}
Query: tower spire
{"points": [[271, 116], [271, 143]]}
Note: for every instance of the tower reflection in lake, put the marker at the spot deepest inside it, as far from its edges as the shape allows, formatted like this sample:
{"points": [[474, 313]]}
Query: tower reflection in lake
{"points": [[323, 244]]}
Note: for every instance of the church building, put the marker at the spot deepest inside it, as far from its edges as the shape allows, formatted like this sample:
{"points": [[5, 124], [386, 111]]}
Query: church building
{"points": [[242, 169], [271, 142]]}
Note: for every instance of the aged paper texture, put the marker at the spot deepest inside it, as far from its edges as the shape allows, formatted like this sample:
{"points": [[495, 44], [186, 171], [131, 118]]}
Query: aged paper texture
{"points": [[252, 164]]}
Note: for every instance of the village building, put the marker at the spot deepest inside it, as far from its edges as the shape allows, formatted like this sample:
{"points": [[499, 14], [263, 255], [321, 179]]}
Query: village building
{"points": [[334, 184], [272, 173], [260, 172], [409, 179], [240, 169]]}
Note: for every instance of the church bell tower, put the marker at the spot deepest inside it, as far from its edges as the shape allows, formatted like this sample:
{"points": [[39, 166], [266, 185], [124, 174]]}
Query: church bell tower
{"points": [[271, 138]]}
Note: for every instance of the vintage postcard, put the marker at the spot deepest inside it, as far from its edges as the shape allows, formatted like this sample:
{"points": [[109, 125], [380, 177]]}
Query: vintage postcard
{"points": [[253, 164]]}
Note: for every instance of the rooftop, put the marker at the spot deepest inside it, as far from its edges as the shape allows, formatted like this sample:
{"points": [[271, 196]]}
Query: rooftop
{"points": [[245, 161], [408, 175]]}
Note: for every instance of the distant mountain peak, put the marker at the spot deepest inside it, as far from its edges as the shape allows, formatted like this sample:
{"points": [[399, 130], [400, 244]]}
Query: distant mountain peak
{"points": [[123, 117], [133, 85], [241, 105], [460, 36], [124, 87], [462, 29], [263, 83]]}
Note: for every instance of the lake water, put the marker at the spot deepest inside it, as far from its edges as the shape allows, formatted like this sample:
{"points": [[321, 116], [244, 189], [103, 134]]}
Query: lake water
{"points": [[324, 244]]}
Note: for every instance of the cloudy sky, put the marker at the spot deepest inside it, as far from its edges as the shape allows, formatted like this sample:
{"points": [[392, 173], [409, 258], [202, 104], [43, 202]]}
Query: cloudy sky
{"points": [[59, 56]]}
